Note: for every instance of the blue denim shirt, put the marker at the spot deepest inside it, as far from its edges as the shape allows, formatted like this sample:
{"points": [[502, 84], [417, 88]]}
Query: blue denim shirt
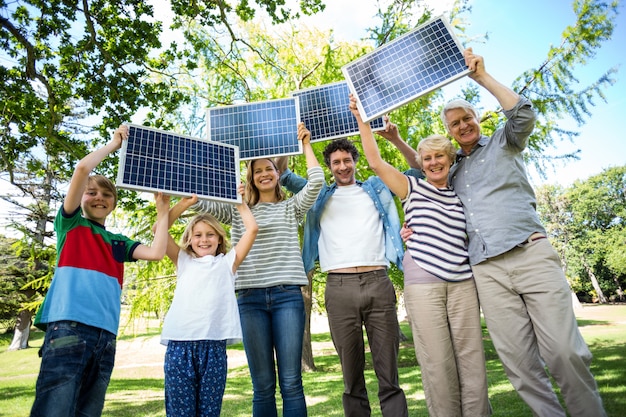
{"points": [[380, 195]]}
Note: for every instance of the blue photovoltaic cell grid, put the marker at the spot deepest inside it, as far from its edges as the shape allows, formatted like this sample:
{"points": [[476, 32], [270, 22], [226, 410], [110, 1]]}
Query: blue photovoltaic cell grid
{"points": [[408, 67], [324, 111], [155, 160], [260, 130]]}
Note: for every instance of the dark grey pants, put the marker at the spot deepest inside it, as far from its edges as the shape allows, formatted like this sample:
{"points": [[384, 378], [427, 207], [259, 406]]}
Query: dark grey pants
{"points": [[354, 300]]}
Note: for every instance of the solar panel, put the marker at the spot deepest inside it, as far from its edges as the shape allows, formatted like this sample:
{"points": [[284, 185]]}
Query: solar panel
{"points": [[324, 111], [410, 66], [156, 160], [260, 129]]}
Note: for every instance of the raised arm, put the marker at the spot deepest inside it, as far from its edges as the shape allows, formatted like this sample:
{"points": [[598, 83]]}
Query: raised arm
{"points": [[393, 136], [304, 135], [282, 163], [397, 182], [86, 165], [174, 213], [242, 248], [476, 64], [156, 251]]}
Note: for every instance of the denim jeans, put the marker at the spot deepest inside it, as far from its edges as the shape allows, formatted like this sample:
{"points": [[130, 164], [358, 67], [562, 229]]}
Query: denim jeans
{"points": [[272, 320], [76, 365]]}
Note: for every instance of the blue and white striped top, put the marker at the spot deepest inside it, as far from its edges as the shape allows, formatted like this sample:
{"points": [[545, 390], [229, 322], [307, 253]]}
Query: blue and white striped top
{"points": [[439, 240]]}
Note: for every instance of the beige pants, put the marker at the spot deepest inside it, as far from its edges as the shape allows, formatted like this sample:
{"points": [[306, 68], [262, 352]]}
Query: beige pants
{"points": [[527, 305], [445, 320]]}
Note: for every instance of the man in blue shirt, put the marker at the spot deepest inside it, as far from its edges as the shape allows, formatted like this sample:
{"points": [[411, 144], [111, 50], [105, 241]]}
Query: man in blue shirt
{"points": [[353, 230], [524, 295]]}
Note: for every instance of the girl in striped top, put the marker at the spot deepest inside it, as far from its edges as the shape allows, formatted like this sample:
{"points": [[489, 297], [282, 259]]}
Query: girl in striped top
{"points": [[439, 289], [270, 301]]}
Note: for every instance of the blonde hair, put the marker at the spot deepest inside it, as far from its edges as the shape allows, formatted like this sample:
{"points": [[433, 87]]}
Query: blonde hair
{"points": [[436, 143], [103, 182], [252, 194], [185, 240]]}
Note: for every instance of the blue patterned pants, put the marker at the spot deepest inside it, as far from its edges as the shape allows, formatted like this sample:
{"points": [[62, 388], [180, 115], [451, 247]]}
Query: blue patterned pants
{"points": [[195, 378]]}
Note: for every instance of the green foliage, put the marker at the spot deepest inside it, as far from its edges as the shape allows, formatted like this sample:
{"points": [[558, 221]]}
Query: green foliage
{"points": [[67, 63], [587, 224], [24, 268], [553, 86]]}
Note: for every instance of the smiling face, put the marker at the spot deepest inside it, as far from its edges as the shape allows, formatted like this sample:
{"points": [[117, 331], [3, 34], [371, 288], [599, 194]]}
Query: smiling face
{"points": [[264, 175], [436, 166], [436, 155], [464, 127], [341, 165], [204, 240], [97, 202]]}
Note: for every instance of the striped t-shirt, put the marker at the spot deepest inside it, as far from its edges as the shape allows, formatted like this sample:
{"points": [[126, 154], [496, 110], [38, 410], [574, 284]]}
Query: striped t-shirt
{"points": [[275, 257], [439, 240]]}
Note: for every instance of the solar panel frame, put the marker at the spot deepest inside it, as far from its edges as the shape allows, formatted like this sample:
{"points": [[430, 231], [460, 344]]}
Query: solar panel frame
{"points": [[418, 62], [325, 112], [153, 160], [261, 129]]}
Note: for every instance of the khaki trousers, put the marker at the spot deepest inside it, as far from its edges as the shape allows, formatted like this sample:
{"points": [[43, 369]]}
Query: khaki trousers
{"points": [[527, 305], [445, 319]]}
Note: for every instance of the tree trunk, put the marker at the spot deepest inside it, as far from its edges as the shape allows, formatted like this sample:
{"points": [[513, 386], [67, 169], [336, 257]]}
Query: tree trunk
{"points": [[22, 331], [620, 291], [308, 364], [594, 282]]}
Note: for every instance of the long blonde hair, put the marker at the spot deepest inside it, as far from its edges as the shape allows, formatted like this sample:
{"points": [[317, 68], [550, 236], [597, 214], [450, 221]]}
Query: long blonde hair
{"points": [[252, 194], [185, 240]]}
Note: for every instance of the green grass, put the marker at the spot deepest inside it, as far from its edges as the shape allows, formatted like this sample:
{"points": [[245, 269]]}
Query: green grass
{"points": [[138, 391]]}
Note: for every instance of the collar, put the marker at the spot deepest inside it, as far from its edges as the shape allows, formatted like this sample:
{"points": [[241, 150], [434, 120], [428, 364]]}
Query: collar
{"points": [[481, 143]]}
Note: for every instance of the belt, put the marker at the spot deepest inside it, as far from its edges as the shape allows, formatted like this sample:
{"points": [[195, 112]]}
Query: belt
{"points": [[532, 238], [356, 270]]}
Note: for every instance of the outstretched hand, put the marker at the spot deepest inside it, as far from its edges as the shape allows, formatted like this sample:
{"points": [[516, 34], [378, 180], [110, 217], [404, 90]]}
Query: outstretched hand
{"points": [[405, 232], [354, 108], [475, 63], [304, 134], [120, 134], [188, 201], [390, 132], [162, 202]]}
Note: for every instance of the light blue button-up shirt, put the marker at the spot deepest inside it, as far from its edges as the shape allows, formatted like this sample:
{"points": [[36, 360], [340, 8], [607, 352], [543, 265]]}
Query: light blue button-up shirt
{"points": [[498, 200]]}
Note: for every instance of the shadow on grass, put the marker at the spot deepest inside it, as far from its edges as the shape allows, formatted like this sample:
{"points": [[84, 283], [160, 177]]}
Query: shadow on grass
{"points": [[144, 396], [134, 397]]}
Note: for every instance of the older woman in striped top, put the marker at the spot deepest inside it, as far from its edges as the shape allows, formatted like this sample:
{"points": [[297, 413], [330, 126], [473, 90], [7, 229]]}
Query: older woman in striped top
{"points": [[439, 289]]}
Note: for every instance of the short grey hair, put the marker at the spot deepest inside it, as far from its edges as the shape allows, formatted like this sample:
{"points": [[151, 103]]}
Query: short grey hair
{"points": [[436, 143], [458, 103]]}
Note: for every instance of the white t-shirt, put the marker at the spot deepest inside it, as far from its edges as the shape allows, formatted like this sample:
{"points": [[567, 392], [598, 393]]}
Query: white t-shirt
{"points": [[351, 231], [204, 305]]}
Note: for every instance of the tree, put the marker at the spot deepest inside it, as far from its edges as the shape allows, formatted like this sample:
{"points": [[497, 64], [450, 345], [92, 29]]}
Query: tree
{"points": [[98, 62], [586, 224], [598, 210], [247, 62], [19, 266], [68, 61]]}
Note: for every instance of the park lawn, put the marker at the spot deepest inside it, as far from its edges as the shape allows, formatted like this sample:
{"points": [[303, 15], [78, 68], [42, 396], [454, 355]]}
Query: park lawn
{"points": [[138, 391]]}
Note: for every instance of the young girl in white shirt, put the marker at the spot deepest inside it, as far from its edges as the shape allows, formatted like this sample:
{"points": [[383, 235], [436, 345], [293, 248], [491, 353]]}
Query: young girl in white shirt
{"points": [[203, 317]]}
